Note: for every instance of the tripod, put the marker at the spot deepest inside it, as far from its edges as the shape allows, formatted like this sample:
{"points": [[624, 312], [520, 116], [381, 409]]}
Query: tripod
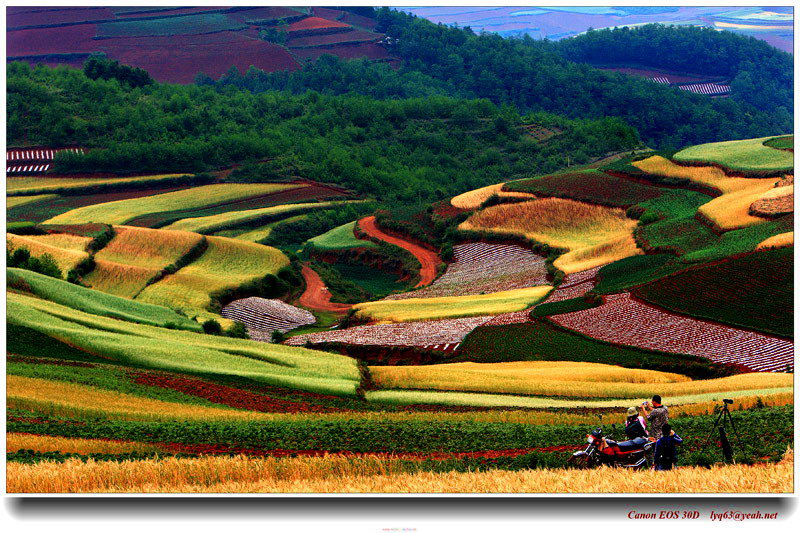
{"points": [[720, 424]]}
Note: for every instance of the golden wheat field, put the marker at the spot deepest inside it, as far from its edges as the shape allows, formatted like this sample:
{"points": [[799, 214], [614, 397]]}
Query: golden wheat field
{"points": [[119, 279], [591, 235], [474, 199], [67, 250], [48, 443], [226, 263], [563, 379], [121, 211], [781, 240], [375, 474], [413, 309], [58, 398], [36, 184], [150, 248]]}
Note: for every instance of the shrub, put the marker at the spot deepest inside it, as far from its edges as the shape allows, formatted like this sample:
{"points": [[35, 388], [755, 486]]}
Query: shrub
{"points": [[212, 327]]}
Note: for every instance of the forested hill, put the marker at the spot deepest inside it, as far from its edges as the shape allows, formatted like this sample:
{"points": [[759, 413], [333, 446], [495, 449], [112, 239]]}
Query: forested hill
{"points": [[554, 77], [398, 150]]}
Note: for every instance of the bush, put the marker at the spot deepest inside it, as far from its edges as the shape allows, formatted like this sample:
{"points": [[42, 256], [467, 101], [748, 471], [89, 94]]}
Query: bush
{"points": [[212, 327], [237, 331]]}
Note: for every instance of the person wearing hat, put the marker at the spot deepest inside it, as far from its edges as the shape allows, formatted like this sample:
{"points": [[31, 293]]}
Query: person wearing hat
{"points": [[635, 424]]}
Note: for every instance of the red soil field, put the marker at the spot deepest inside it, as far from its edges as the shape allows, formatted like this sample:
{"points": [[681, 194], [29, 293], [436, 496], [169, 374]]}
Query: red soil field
{"points": [[317, 296], [345, 51], [47, 16], [327, 13], [68, 39], [315, 23], [333, 39], [428, 259], [358, 21], [230, 396]]}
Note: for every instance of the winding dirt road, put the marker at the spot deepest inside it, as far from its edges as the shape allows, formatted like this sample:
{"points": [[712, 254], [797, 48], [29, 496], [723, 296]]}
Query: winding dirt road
{"points": [[427, 258], [317, 296]]}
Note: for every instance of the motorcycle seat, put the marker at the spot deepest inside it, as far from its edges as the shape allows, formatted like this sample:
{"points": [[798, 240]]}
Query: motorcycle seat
{"points": [[633, 444]]}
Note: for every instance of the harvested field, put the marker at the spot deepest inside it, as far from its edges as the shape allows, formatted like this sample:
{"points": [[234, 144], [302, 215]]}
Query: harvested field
{"points": [[624, 320], [262, 316], [226, 263], [369, 474], [474, 199], [754, 291], [781, 240], [122, 211], [748, 156], [416, 309], [775, 202], [591, 235], [66, 258], [480, 268], [593, 186], [436, 334]]}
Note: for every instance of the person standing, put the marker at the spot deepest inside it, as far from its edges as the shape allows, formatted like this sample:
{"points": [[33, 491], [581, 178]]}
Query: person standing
{"points": [[657, 416], [666, 454]]}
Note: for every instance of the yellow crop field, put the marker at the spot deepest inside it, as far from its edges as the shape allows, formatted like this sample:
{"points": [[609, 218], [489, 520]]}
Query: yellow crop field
{"points": [[212, 223], [16, 201], [48, 443], [782, 240], [593, 234], [39, 185], [726, 212], [474, 199], [577, 380], [135, 256], [150, 248], [121, 211], [368, 474], [413, 309], [58, 398], [226, 263], [66, 257]]}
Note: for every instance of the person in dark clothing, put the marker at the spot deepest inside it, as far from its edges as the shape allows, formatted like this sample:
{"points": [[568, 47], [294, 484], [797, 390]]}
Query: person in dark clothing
{"points": [[657, 416], [666, 454], [635, 425]]}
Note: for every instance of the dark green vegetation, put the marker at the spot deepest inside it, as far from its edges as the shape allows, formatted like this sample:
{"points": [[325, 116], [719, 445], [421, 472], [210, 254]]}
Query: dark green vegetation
{"points": [[357, 435], [291, 235], [95, 302], [631, 271], [98, 66], [782, 143], [543, 341], [761, 75], [754, 291], [554, 77], [353, 283], [566, 306], [593, 186], [398, 150]]}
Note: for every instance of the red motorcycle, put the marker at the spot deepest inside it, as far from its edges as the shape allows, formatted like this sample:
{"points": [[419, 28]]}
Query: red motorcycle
{"points": [[603, 450]]}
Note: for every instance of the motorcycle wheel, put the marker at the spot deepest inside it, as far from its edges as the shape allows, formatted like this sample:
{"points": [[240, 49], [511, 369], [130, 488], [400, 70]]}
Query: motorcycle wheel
{"points": [[580, 461]]}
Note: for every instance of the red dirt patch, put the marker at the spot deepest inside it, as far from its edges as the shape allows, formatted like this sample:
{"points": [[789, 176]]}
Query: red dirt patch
{"points": [[230, 396], [315, 23], [317, 296], [428, 259]]}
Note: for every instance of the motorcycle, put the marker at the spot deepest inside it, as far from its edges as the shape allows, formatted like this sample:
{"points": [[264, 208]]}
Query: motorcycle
{"points": [[604, 450]]}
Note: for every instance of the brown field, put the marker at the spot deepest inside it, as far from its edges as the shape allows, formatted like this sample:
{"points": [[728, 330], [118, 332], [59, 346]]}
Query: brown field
{"points": [[372, 474]]}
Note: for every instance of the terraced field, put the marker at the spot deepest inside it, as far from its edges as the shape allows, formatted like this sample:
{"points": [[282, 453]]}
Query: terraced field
{"points": [[123, 211], [27, 185], [750, 156], [591, 235], [67, 252], [226, 263], [262, 316], [630, 322], [338, 238]]}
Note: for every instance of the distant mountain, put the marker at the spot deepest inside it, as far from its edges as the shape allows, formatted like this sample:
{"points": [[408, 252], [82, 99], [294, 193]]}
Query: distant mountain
{"points": [[771, 24]]}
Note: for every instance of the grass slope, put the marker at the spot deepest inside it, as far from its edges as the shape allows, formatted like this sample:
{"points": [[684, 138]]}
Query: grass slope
{"points": [[749, 156], [339, 238]]}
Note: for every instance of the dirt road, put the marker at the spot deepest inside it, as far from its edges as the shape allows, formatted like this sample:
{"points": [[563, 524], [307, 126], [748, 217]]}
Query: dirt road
{"points": [[427, 258], [317, 296]]}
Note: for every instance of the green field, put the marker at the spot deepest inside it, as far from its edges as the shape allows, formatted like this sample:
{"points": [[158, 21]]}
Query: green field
{"points": [[340, 238], [95, 302], [749, 156], [183, 351]]}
